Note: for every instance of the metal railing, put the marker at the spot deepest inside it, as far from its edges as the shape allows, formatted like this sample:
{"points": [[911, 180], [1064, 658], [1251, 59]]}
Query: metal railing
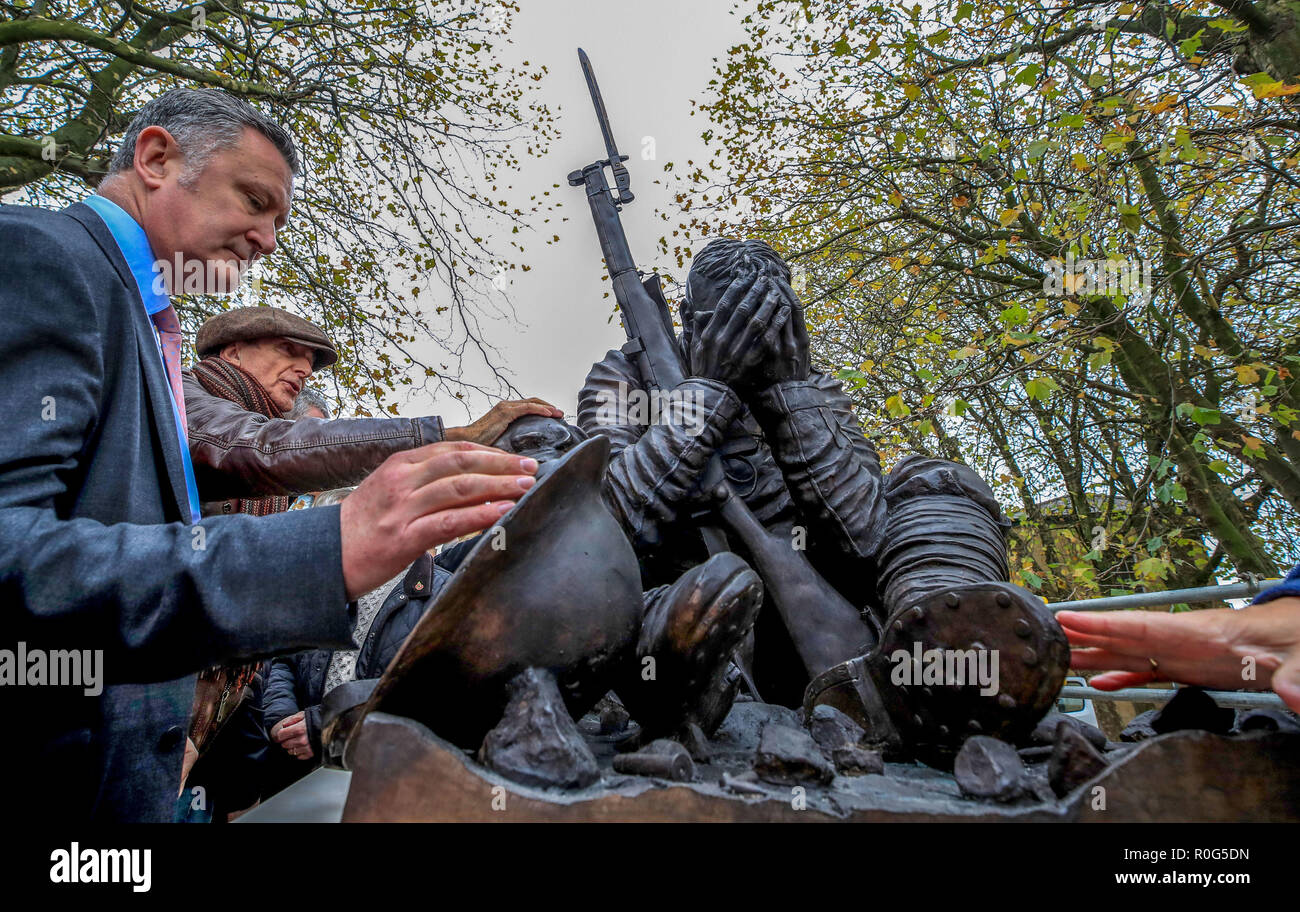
{"points": [[1236, 699], [1168, 597]]}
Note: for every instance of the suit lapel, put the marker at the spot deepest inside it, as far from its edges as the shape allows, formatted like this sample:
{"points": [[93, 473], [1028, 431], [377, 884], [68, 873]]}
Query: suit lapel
{"points": [[157, 389]]}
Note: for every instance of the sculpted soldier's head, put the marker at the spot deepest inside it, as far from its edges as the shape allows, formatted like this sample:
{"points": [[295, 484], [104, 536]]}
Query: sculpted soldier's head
{"points": [[209, 179], [719, 264], [544, 439]]}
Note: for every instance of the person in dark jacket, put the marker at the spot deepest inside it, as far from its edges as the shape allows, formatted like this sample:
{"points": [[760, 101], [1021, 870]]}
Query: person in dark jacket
{"points": [[298, 682], [228, 777], [99, 548]]}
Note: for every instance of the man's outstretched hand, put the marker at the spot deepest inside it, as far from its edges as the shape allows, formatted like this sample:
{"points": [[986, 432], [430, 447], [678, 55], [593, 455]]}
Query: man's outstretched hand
{"points": [[494, 423], [1206, 648], [419, 499]]}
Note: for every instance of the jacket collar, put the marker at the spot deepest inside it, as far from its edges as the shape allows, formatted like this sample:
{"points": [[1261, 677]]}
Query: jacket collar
{"points": [[419, 579], [157, 388], [94, 223]]}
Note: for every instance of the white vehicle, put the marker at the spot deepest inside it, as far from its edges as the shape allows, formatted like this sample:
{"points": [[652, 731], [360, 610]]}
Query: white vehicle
{"points": [[1078, 707]]}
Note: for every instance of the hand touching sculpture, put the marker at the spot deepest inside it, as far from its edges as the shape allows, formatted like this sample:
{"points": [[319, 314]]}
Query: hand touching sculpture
{"points": [[493, 424]]}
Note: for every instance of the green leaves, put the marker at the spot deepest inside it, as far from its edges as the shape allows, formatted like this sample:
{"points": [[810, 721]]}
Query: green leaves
{"points": [[896, 407], [1152, 569], [1202, 416], [1189, 46], [1015, 315], [1029, 75], [1041, 388], [1131, 217], [1115, 142]]}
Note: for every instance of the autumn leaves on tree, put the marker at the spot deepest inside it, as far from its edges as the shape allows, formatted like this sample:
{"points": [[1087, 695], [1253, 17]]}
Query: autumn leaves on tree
{"points": [[1056, 241]]}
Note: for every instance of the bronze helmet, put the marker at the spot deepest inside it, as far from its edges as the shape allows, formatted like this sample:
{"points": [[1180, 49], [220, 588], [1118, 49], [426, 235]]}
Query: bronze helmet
{"points": [[554, 585]]}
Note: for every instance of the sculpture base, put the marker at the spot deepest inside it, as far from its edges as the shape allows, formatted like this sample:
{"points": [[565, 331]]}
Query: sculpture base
{"points": [[403, 772]]}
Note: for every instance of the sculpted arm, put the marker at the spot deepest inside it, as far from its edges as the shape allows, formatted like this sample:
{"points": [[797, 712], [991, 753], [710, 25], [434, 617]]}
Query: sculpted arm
{"points": [[653, 467]]}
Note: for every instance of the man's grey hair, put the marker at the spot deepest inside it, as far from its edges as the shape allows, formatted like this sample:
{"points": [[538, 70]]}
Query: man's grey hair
{"points": [[332, 496], [203, 122], [309, 398]]}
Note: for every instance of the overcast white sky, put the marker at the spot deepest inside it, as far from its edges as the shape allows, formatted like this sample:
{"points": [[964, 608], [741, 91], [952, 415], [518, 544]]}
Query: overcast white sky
{"points": [[651, 59]]}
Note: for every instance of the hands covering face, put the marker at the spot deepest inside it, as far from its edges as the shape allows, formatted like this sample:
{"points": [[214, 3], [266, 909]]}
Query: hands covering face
{"points": [[753, 338]]}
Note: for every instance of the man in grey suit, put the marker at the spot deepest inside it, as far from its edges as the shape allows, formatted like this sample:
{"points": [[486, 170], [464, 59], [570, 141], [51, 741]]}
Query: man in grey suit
{"points": [[100, 557]]}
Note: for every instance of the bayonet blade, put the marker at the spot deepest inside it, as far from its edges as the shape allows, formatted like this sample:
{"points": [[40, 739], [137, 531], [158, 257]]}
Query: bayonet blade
{"points": [[622, 180], [601, 115]]}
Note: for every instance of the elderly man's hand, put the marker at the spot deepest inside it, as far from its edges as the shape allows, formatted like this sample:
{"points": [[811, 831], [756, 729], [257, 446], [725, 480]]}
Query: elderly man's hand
{"points": [[419, 499], [291, 734], [494, 423], [1207, 648]]}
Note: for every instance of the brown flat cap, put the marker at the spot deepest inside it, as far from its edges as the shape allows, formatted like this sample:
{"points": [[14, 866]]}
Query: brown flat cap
{"points": [[247, 323]]}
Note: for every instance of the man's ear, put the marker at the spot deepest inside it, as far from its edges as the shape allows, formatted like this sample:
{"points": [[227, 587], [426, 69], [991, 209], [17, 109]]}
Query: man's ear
{"points": [[156, 155], [230, 353]]}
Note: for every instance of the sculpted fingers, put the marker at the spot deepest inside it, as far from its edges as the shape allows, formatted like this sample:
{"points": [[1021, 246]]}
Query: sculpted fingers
{"points": [[797, 322], [739, 289], [776, 331], [766, 315], [723, 317], [740, 319]]}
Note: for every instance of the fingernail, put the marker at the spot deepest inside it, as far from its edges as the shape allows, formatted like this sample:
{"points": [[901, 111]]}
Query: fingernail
{"points": [[526, 481], [528, 464], [502, 508]]}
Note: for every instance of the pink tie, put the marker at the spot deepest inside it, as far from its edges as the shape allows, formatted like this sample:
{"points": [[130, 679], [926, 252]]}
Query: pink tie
{"points": [[169, 337]]}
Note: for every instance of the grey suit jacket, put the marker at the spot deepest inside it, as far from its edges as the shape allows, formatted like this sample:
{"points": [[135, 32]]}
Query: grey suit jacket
{"points": [[96, 549]]}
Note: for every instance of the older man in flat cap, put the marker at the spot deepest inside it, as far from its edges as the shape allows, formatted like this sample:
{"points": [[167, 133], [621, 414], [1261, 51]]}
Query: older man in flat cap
{"points": [[253, 363]]}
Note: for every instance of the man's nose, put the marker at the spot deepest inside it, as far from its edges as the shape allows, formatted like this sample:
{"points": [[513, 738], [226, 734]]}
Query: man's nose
{"points": [[262, 237]]}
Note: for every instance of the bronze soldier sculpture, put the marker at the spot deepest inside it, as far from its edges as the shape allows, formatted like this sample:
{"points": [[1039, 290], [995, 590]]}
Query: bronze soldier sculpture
{"points": [[756, 442], [895, 544], [570, 611], [864, 574]]}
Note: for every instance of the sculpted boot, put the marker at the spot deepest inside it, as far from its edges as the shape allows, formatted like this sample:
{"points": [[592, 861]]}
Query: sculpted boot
{"points": [[683, 670], [961, 651]]}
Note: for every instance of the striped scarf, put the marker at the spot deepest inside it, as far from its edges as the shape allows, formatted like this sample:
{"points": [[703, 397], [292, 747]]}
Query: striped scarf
{"points": [[234, 384], [220, 689]]}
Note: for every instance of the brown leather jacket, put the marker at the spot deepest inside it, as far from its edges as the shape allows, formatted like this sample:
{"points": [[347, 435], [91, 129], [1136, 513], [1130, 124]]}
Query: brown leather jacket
{"points": [[242, 454]]}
